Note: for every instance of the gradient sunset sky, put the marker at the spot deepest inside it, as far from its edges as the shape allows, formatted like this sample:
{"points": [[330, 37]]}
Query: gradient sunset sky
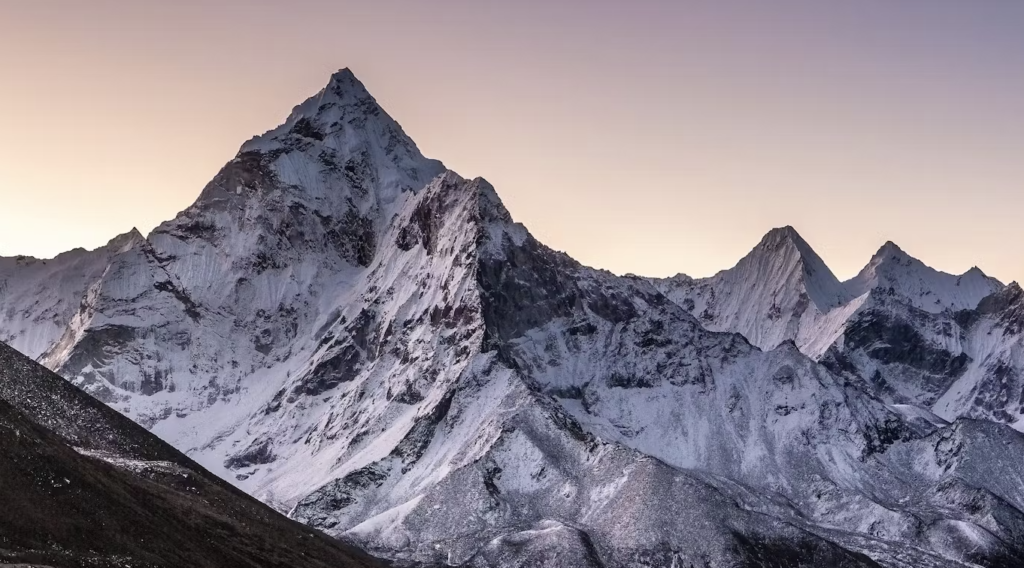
{"points": [[646, 136]]}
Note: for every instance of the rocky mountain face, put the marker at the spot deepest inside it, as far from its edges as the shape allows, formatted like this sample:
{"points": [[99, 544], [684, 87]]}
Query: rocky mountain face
{"points": [[360, 338], [85, 486]]}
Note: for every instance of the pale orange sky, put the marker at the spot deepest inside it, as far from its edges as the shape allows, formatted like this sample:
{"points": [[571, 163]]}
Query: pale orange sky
{"points": [[651, 137]]}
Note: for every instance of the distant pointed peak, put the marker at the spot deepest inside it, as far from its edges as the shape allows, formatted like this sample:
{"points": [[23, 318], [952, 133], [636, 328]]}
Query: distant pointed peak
{"points": [[343, 74], [781, 234], [782, 237], [976, 271], [491, 206], [345, 85], [126, 241], [681, 277], [890, 247], [343, 94], [896, 273], [490, 203], [340, 122], [483, 184], [132, 235], [1014, 292], [891, 252], [782, 250]]}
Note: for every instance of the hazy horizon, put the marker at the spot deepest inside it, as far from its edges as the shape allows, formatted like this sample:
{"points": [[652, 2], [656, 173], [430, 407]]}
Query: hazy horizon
{"points": [[653, 138]]}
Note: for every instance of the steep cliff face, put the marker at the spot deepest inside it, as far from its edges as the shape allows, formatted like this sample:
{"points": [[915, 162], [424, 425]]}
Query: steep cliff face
{"points": [[356, 336], [991, 386], [38, 298]]}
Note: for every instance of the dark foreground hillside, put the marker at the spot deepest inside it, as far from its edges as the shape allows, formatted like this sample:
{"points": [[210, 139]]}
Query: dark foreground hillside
{"points": [[82, 486]]}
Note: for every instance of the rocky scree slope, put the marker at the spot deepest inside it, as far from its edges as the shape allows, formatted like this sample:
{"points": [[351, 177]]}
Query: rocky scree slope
{"points": [[355, 336], [84, 486]]}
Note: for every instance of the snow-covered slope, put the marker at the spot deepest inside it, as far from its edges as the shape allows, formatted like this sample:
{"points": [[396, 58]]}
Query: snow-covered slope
{"points": [[354, 335], [992, 386], [965, 363], [943, 342], [38, 298]]}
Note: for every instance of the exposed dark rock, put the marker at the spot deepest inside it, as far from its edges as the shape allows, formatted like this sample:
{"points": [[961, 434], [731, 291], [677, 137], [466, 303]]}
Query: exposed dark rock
{"points": [[97, 348], [152, 383], [249, 171], [317, 507], [766, 553], [341, 367], [198, 228], [415, 443], [785, 375], [258, 453], [407, 395], [585, 328], [359, 173], [629, 381], [191, 308], [353, 236], [878, 437], [425, 221], [305, 128], [892, 341], [264, 342], [654, 337], [263, 262], [528, 288]]}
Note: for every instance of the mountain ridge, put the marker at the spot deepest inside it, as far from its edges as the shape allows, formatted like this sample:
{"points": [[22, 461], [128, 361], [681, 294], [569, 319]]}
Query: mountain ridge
{"points": [[911, 331], [370, 342]]}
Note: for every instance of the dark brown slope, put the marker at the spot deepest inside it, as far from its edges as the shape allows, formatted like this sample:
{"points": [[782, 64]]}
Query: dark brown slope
{"points": [[141, 504]]}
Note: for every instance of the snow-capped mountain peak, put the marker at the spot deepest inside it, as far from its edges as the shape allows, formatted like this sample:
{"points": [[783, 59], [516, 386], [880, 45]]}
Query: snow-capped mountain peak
{"points": [[788, 251], [782, 234], [343, 106], [894, 272], [344, 84], [782, 290], [343, 92], [126, 241], [336, 151]]}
